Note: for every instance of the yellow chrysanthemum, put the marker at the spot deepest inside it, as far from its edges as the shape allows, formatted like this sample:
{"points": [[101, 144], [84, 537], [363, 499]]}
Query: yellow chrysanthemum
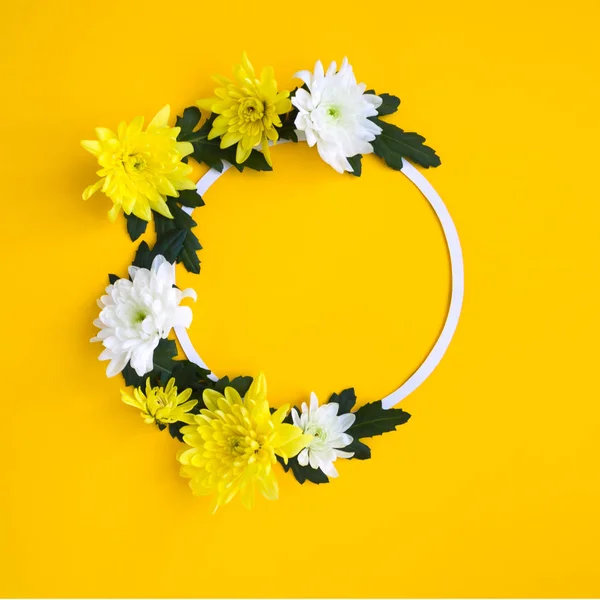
{"points": [[248, 110], [140, 168], [234, 443], [162, 405]]}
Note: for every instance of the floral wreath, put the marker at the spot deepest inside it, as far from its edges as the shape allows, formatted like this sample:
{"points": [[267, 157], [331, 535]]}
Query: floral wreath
{"points": [[232, 437]]}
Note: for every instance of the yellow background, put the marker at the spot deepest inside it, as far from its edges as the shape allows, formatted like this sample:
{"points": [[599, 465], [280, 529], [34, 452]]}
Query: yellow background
{"points": [[323, 282]]}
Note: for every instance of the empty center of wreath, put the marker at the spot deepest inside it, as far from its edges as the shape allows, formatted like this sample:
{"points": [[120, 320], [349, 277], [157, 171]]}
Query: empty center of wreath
{"points": [[320, 281]]}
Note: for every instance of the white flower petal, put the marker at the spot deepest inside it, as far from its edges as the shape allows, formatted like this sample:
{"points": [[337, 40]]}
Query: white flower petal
{"points": [[346, 421], [329, 469], [303, 457], [313, 460], [306, 77], [344, 454], [136, 314], [116, 365]]}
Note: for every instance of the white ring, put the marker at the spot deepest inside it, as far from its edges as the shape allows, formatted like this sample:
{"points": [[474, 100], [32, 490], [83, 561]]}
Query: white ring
{"points": [[457, 283]]}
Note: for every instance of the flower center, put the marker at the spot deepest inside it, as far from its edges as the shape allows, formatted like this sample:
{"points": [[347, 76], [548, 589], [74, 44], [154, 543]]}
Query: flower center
{"points": [[334, 112], [139, 316], [133, 162], [318, 432], [251, 109]]}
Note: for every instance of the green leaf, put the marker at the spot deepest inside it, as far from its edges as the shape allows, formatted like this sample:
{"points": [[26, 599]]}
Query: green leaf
{"points": [[135, 226], [113, 278], [190, 376], [361, 451], [220, 385], [241, 384], [162, 370], [287, 131], [303, 474], [181, 221], [256, 161], [164, 365], [346, 399], [356, 164], [190, 198], [189, 256], [175, 430], [389, 105], [188, 122], [143, 257], [372, 419], [392, 144], [170, 245]]}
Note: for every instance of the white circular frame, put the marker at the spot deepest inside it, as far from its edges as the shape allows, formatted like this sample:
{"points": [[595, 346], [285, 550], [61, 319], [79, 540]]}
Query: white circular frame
{"points": [[457, 284]]}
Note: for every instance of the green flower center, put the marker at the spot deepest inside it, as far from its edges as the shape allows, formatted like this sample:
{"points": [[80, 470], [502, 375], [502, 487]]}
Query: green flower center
{"points": [[139, 316], [318, 432], [251, 109], [334, 112], [133, 162]]}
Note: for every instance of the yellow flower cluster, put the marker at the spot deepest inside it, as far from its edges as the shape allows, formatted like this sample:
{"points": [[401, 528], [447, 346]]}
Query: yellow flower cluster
{"points": [[162, 405], [234, 443], [248, 110], [140, 168]]}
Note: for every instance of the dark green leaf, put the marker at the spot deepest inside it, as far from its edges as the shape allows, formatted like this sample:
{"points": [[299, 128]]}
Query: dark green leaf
{"points": [[287, 131], [190, 376], [188, 122], [163, 366], [143, 257], [356, 164], [255, 161], [372, 419], [163, 360], [361, 451], [135, 226], [389, 105], [190, 198], [181, 221], [303, 474], [170, 245], [132, 378], [175, 430], [220, 385], [346, 400], [241, 384], [392, 144], [112, 278]]}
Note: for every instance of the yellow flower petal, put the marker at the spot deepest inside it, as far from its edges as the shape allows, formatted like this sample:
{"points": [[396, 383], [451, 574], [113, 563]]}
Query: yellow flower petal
{"points": [[92, 146], [207, 103], [141, 168], [294, 446], [258, 388], [268, 486], [161, 118], [231, 138], [92, 189]]}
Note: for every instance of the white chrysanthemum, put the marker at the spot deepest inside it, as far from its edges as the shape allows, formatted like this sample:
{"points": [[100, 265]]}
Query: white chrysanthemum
{"points": [[137, 313], [334, 113], [327, 429]]}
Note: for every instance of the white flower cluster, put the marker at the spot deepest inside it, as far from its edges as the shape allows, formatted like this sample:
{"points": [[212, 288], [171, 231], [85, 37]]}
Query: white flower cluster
{"points": [[328, 431], [137, 313], [334, 114]]}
